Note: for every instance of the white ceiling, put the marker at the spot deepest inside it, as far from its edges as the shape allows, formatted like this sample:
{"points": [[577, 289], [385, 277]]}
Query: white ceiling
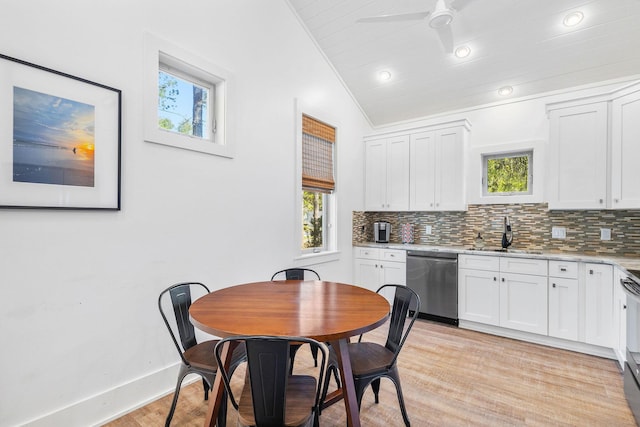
{"points": [[521, 43]]}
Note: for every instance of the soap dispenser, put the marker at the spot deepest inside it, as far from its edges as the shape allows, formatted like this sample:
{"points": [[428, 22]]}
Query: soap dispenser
{"points": [[479, 244]]}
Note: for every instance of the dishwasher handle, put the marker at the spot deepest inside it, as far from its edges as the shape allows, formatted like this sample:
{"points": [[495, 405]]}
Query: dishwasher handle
{"points": [[433, 254]]}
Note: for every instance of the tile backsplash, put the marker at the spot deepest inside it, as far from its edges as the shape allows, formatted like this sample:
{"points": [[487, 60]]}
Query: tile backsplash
{"points": [[531, 225]]}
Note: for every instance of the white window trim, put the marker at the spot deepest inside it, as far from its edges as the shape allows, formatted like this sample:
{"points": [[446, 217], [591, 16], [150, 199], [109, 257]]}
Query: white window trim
{"points": [[476, 172], [331, 252], [157, 50]]}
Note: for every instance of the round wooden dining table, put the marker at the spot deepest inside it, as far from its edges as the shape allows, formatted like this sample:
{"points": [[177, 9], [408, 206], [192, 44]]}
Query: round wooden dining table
{"points": [[324, 311]]}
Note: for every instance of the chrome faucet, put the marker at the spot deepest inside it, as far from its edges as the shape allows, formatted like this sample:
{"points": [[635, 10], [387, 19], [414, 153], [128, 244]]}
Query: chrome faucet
{"points": [[507, 235]]}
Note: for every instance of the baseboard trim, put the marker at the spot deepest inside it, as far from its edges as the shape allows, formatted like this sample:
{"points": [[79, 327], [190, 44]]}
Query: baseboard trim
{"points": [[576, 346], [115, 402]]}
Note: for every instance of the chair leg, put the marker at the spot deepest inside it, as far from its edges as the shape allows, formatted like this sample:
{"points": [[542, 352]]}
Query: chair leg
{"points": [[393, 375], [181, 374], [205, 386], [293, 349], [375, 386], [314, 353]]}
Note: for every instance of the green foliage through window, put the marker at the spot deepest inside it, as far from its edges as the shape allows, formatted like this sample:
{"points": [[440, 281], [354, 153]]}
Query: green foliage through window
{"points": [[507, 174], [312, 213]]}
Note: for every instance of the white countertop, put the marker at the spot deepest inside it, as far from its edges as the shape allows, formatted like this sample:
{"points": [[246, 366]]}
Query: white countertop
{"points": [[626, 263]]}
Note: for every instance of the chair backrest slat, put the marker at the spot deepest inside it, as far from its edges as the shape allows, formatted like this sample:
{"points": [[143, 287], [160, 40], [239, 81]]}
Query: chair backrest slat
{"points": [[181, 300], [296, 273], [267, 363], [406, 305]]}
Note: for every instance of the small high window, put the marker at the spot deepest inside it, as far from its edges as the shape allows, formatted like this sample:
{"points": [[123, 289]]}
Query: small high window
{"points": [[187, 100], [507, 174]]}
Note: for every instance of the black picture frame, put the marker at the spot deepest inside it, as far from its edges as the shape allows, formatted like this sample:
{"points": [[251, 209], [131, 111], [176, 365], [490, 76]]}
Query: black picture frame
{"points": [[60, 139]]}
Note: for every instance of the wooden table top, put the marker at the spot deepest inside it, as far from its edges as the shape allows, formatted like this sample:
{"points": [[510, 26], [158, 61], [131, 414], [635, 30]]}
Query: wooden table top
{"points": [[325, 311]]}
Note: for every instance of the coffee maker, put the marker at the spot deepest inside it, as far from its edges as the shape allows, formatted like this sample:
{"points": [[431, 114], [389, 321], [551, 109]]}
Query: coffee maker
{"points": [[381, 232]]}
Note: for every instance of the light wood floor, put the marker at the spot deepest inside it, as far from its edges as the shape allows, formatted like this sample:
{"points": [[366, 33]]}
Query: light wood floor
{"points": [[456, 377]]}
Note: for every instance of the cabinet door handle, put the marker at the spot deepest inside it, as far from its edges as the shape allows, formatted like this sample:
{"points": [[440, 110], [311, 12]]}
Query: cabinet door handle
{"points": [[600, 200], [495, 279], [624, 307], [590, 271], [503, 279], [616, 200], [554, 285]]}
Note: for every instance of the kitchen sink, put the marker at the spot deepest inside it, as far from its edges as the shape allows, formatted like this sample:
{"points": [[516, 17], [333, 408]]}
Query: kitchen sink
{"points": [[508, 251]]}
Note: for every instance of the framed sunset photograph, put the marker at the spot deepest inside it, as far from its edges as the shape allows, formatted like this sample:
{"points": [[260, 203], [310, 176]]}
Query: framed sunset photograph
{"points": [[59, 139]]}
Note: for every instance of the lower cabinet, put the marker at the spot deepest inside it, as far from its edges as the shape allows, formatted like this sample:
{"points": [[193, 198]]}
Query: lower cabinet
{"points": [[374, 267], [506, 292], [598, 310], [563, 300], [575, 301], [478, 296]]}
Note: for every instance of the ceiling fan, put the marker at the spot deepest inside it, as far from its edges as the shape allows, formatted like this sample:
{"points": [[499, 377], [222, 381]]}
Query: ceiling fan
{"points": [[440, 19]]}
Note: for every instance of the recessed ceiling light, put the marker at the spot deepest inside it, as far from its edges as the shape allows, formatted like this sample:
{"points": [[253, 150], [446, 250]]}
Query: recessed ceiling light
{"points": [[463, 51], [505, 91], [384, 76], [573, 19]]}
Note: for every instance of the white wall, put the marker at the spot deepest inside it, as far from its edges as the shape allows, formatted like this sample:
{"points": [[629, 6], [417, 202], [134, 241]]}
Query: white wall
{"points": [[81, 335]]}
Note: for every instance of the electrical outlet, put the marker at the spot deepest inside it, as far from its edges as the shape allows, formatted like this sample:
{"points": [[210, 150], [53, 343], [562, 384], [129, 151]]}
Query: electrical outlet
{"points": [[605, 234], [427, 229], [558, 233]]}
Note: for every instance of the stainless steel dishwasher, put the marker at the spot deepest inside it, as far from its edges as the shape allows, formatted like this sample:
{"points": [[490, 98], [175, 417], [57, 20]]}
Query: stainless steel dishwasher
{"points": [[434, 276]]}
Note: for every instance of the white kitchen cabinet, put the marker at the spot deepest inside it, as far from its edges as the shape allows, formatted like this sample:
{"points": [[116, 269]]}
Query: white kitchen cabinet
{"points": [[387, 174], [479, 296], [619, 317], [578, 156], [437, 166], [513, 295], [523, 302], [598, 282], [583, 136], [374, 267], [625, 150], [563, 300]]}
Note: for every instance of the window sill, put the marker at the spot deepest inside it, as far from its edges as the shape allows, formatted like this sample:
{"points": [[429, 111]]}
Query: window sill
{"points": [[317, 258]]}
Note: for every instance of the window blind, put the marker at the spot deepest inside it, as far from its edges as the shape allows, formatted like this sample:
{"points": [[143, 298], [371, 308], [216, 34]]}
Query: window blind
{"points": [[317, 155]]}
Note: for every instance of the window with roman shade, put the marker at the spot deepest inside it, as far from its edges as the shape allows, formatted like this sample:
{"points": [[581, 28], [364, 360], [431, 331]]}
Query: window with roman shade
{"points": [[318, 141]]}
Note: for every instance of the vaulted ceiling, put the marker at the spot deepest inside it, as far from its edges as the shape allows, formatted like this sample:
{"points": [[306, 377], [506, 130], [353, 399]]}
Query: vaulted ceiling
{"points": [[518, 43]]}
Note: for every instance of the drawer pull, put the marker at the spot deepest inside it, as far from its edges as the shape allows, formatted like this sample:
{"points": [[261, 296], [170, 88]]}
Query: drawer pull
{"points": [[563, 269]]}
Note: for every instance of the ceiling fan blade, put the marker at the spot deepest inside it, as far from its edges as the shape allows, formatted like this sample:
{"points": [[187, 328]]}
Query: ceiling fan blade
{"points": [[400, 17], [446, 38], [458, 5]]}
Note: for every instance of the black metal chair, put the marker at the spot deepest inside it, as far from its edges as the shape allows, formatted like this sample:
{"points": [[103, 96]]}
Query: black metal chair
{"points": [[295, 274], [270, 395], [372, 361], [197, 358]]}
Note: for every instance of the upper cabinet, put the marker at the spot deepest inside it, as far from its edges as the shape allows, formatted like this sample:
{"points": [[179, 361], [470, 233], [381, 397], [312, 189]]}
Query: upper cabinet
{"points": [[387, 174], [420, 170], [584, 134], [578, 157], [437, 180], [625, 150]]}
